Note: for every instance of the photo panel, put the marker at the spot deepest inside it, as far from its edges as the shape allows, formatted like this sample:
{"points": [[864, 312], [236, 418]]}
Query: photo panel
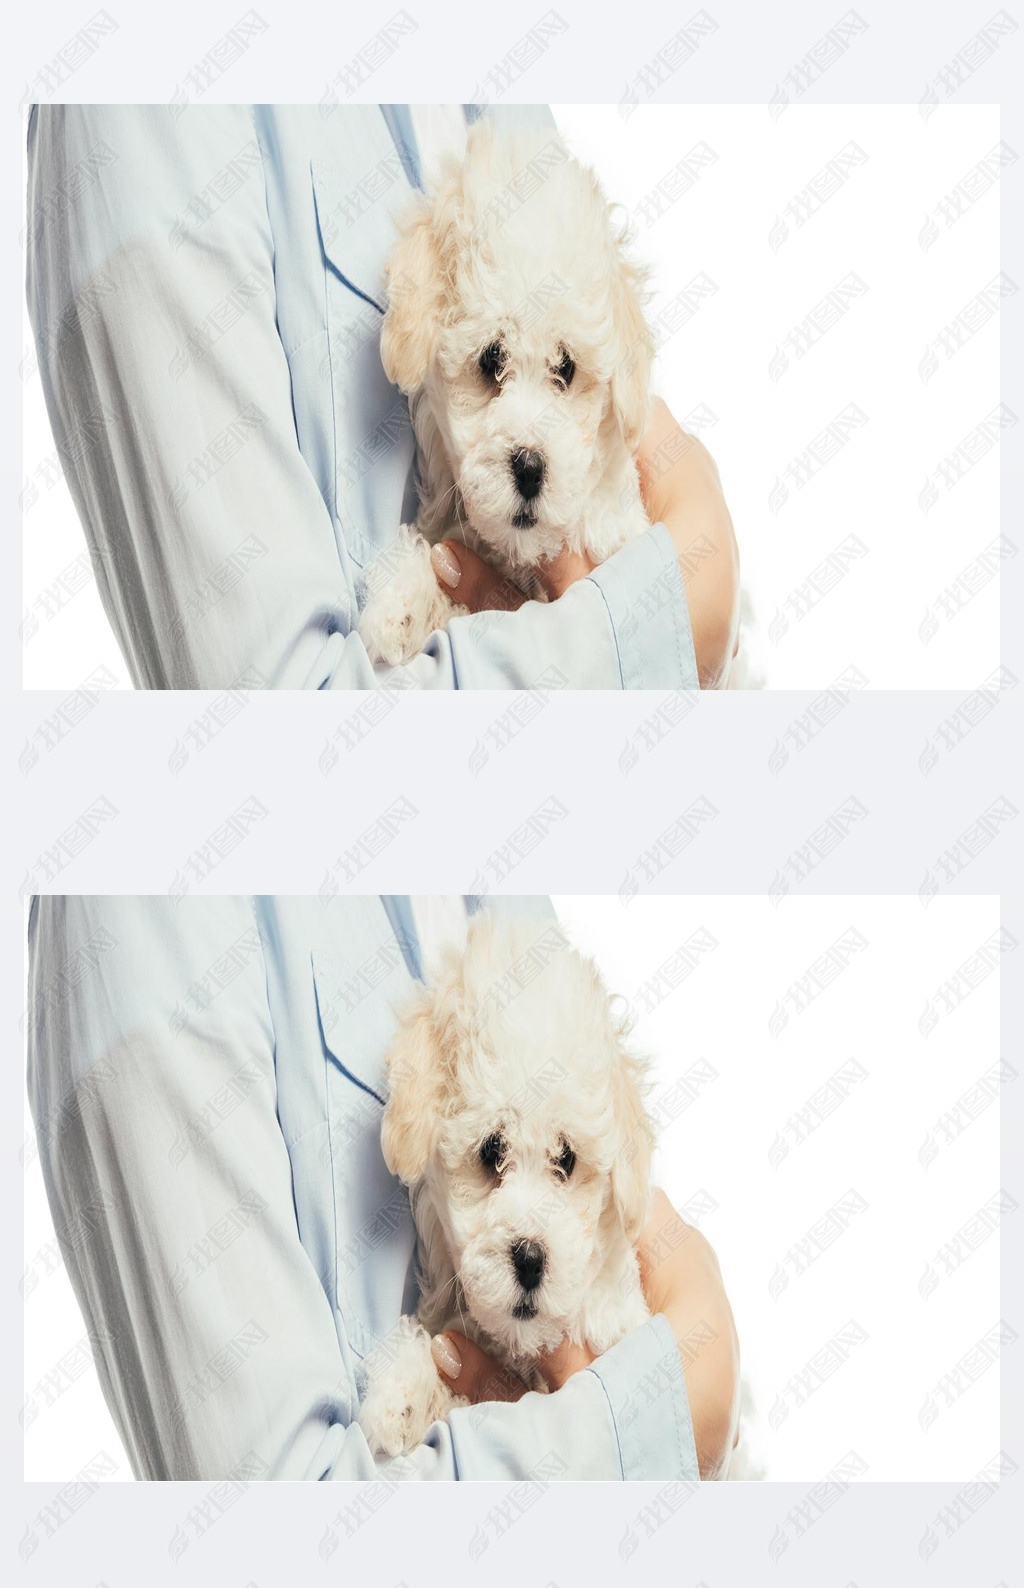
{"points": [[823, 1083]]}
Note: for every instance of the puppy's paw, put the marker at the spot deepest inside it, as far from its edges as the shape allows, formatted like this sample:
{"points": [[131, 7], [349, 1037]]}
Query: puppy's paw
{"points": [[404, 1393], [405, 603], [389, 630]]}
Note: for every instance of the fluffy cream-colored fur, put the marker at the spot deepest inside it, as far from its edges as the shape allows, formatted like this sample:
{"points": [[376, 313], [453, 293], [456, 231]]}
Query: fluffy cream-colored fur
{"points": [[515, 325], [517, 1049]]}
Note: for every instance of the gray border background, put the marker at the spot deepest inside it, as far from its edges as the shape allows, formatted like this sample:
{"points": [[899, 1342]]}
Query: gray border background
{"points": [[599, 836]]}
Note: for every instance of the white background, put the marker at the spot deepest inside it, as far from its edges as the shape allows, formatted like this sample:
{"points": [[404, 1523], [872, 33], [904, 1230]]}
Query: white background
{"points": [[720, 359], [871, 356], [717, 1150], [721, 1143]]}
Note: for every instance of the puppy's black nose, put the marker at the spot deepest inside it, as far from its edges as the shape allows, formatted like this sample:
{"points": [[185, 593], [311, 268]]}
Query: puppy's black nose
{"points": [[528, 1262], [528, 472]]}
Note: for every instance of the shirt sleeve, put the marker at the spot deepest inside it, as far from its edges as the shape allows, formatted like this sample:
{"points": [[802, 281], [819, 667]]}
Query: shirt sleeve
{"points": [[627, 1416], [213, 549], [170, 1187]]}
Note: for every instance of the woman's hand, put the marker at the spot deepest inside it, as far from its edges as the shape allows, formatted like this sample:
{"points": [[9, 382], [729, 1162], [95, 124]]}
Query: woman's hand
{"points": [[681, 489], [682, 1279], [471, 1372], [473, 583]]}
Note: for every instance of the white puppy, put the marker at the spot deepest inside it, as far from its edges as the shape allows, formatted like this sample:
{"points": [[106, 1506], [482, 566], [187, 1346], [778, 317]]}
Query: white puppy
{"points": [[515, 325], [516, 1118]]}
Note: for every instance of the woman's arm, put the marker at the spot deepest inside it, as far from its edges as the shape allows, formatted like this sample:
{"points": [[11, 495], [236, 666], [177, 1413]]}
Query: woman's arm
{"points": [[170, 1186], [682, 1280], [213, 1337], [682, 489], [153, 299]]}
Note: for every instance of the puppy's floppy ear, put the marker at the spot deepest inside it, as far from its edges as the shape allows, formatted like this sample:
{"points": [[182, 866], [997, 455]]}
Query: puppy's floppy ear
{"points": [[415, 292], [631, 376], [418, 1079], [631, 1169], [421, 1066]]}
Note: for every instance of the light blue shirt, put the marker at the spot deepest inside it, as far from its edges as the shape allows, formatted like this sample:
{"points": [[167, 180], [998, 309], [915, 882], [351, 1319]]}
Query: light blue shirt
{"points": [[207, 1080], [206, 287]]}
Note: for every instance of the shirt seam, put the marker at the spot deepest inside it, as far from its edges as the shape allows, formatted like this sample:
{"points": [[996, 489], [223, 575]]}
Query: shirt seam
{"points": [[615, 635], [676, 632], [677, 624], [677, 1416], [335, 509], [615, 1426]]}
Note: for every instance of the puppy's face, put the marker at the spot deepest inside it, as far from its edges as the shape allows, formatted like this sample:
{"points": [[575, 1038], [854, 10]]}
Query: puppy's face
{"points": [[523, 416], [522, 1192], [513, 309], [515, 1101]]}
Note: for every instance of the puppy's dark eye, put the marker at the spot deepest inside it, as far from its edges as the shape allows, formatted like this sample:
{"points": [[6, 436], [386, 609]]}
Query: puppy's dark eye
{"points": [[565, 1163], [492, 1151], [566, 370], [492, 360]]}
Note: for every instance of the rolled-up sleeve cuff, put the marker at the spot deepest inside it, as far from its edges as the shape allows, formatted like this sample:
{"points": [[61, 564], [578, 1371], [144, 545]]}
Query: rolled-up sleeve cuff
{"points": [[643, 1380], [646, 600]]}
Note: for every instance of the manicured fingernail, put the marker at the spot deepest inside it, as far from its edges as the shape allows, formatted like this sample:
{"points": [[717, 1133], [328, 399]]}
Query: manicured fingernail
{"points": [[445, 564], [443, 1351]]}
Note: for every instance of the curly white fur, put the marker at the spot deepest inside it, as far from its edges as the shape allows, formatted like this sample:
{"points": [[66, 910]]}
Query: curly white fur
{"points": [[514, 253], [517, 1043]]}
